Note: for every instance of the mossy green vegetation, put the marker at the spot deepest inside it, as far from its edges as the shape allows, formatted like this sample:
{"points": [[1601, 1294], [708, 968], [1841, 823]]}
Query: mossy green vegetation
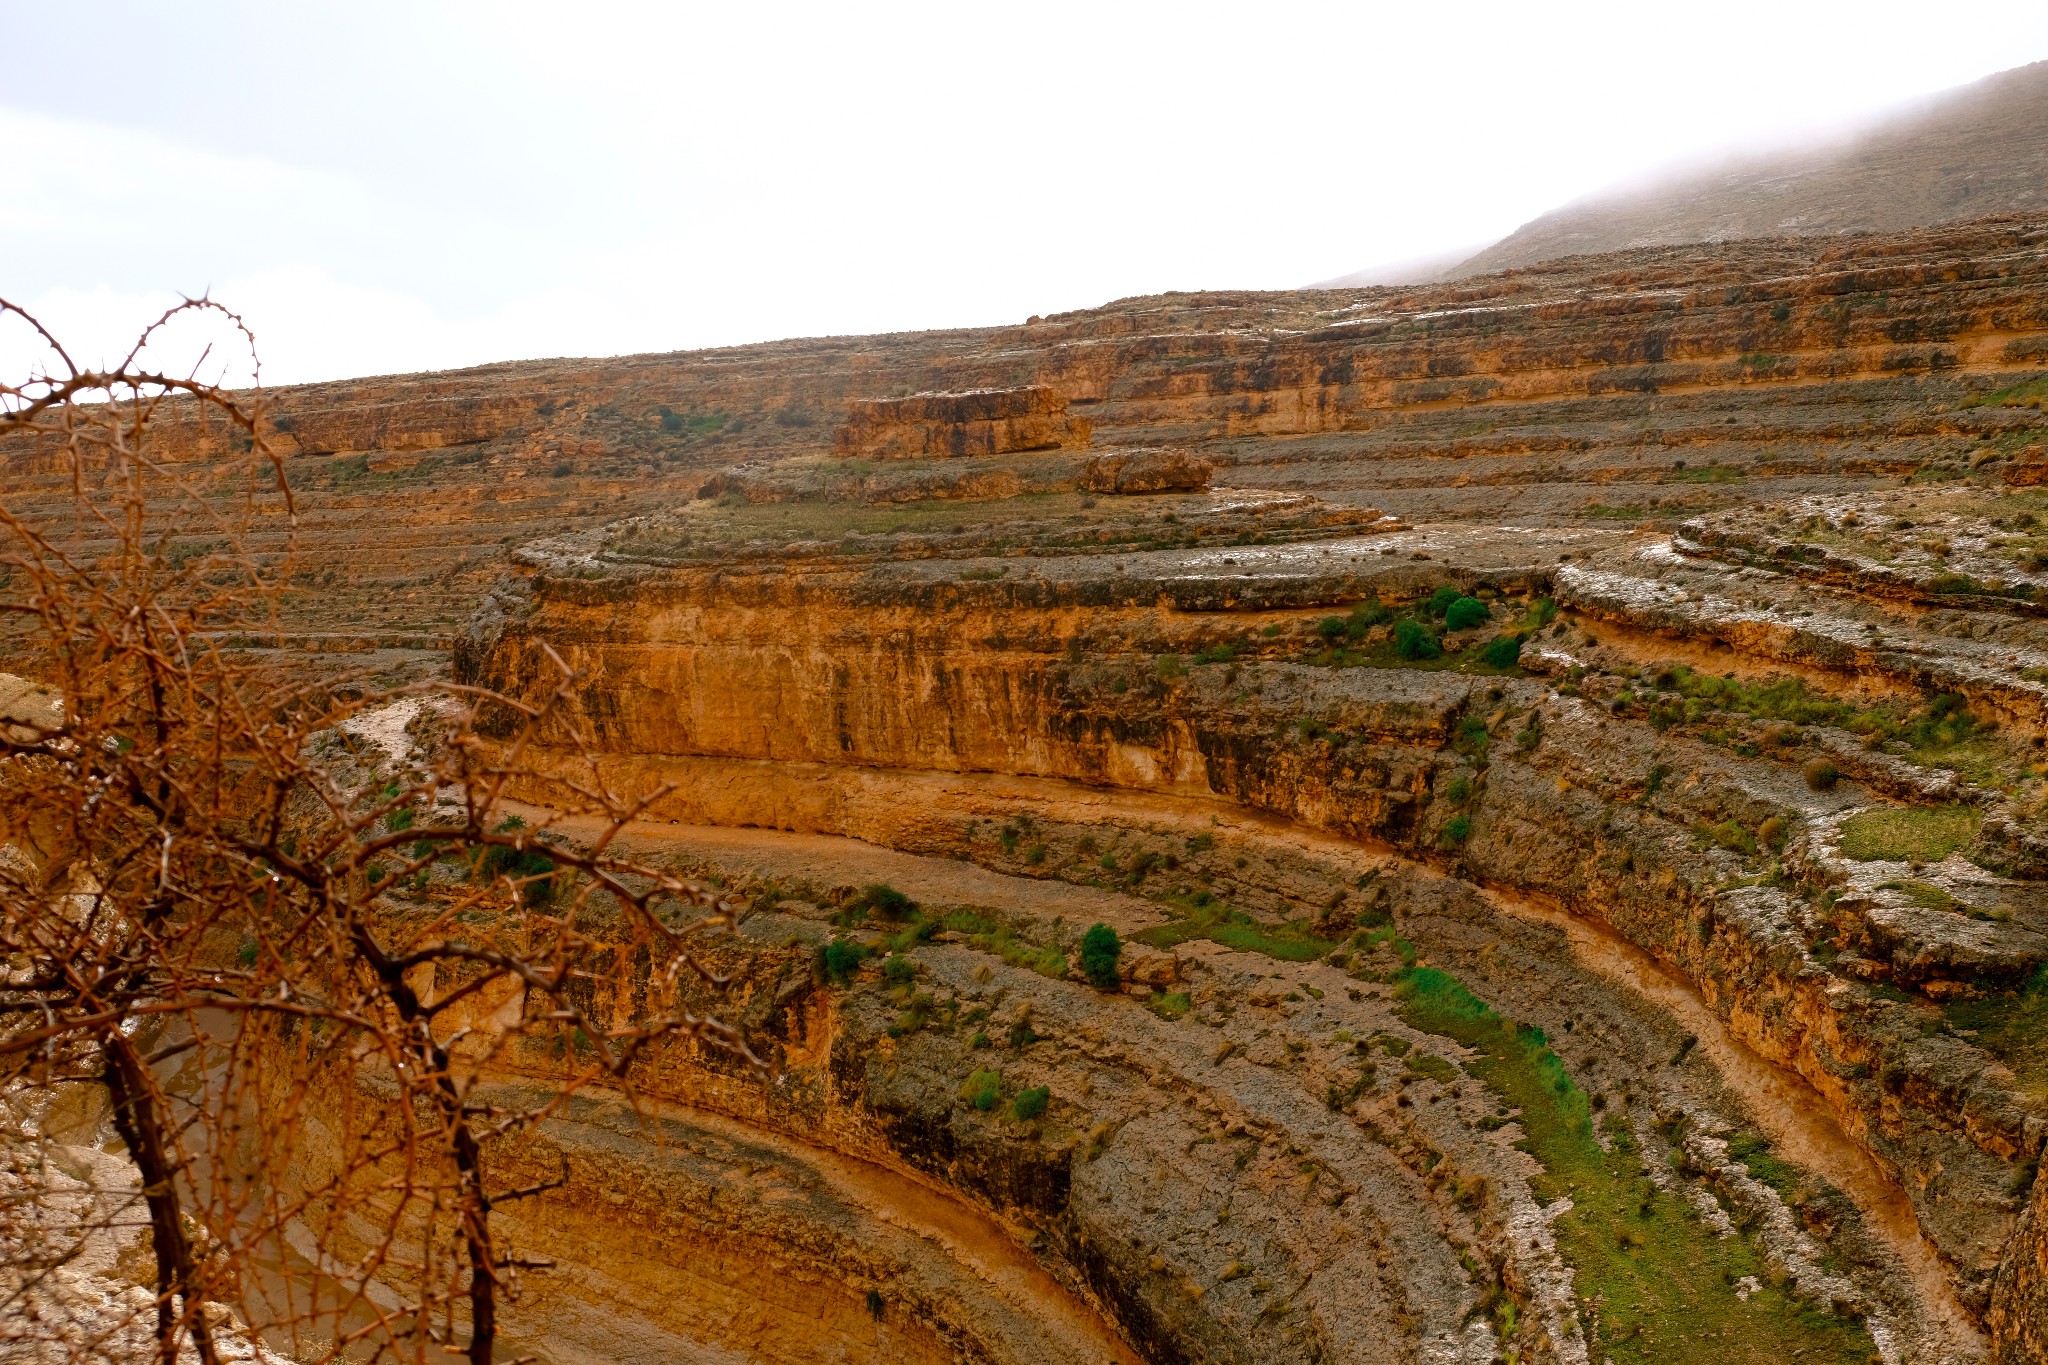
{"points": [[2029, 393], [1172, 1004], [1413, 642], [1755, 1154], [2013, 1027], [1203, 916], [989, 936], [1655, 1285], [1938, 732], [1909, 834]]}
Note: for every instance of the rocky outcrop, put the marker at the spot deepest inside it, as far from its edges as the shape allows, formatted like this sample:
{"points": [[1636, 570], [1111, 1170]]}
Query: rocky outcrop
{"points": [[960, 425], [1644, 386], [1077, 671], [1147, 471]]}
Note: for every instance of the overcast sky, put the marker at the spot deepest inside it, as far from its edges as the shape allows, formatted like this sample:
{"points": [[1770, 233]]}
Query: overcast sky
{"points": [[393, 185]]}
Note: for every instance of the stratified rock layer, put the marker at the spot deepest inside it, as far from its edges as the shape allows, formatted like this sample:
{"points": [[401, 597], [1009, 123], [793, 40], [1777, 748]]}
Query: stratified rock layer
{"points": [[960, 425]]}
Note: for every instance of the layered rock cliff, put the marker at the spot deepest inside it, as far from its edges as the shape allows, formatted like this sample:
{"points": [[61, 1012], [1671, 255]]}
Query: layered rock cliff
{"points": [[1561, 752]]}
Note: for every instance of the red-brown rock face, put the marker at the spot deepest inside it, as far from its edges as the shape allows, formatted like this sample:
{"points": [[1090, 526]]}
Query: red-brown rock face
{"points": [[959, 425]]}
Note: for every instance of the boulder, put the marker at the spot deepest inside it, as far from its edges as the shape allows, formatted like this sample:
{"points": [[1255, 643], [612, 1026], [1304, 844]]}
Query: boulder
{"points": [[1147, 471], [2028, 467], [1146, 966]]}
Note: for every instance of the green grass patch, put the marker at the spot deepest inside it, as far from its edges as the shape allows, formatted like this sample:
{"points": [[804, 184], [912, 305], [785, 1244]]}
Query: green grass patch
{"points": [[1658, 1285], [1755, 1154], [1172, 1004], [1432, 1067], [1708, 473], [988, 936], [1217, 922], [1909, 834], [2031, 391], [1925, 896]]}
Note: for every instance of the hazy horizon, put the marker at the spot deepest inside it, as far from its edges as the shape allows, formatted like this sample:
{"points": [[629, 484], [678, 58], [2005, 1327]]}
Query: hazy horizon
{"points": [[432, 186]]}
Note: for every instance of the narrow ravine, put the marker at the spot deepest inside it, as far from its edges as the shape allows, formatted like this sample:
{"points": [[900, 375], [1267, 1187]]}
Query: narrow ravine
{"points": [[1782, 1106]]}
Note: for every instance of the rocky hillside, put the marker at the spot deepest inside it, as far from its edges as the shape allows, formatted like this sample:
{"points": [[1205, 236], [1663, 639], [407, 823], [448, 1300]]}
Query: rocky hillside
{"points": [[1556, 761], [1965, 154]]}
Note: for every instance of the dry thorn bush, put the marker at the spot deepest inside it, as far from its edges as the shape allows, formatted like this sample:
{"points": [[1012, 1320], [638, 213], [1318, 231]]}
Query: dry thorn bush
{"points": [[271, 940]]}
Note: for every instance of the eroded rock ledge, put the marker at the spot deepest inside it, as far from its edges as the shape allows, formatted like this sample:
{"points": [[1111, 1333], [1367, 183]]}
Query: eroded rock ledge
{"points": [[914, 702]]}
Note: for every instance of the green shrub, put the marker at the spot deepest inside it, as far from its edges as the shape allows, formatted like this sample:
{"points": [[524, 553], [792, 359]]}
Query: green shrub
{"points": [[1365, 616], [983, 1090], [841, 958], [1029, 1104], [883, 901], [1503, 651], [1457, 830], [1440, 600], [500, 860], [1100, 949], [899, 970], [1414, 641], [1465, 613], [1460, 789], [1821, 774]]}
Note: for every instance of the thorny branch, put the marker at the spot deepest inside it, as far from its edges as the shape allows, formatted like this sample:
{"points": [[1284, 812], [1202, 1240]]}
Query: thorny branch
{"points": [[274, 931]]}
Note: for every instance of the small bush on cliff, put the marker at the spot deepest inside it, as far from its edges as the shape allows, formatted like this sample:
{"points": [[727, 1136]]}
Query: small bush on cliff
{"points": [[1414, 641], [1031, 1103], [1821, 774], [519, 864], [883, 901], [899, 970], [1465, 613], [1100, 949], [841, 958], [1363, 618], [1440, 600], [1503, 651], [1457, 830], [983, 1090], [1730, 835]]}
